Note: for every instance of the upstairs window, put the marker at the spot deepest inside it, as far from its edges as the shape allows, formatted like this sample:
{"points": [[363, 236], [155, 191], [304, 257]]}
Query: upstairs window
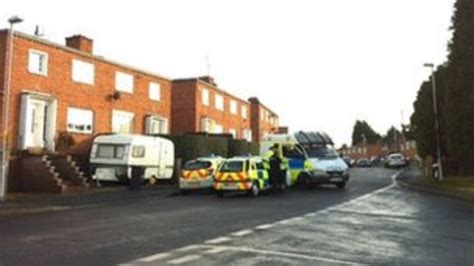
{"points": [[154, 91], [123, 82], [38, 62], [233, 107], [244, 112], [219, 102], [205, 97], [82, 72]]}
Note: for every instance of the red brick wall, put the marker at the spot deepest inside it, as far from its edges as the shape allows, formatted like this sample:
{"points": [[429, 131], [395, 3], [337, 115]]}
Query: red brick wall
{"points": [[260, 126], [72, 94], [183, 107], [3, 48]]}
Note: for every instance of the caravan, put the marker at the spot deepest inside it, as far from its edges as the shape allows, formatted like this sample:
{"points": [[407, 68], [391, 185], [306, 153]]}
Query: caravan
{"points": [[113, 156]]}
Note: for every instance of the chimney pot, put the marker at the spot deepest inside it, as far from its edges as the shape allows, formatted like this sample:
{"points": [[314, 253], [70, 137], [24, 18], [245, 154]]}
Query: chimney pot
{"points": [[80, 43]]}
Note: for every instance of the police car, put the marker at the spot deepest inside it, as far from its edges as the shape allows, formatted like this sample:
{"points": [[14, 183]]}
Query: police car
{"points": [[245, 174], [199, 174]]}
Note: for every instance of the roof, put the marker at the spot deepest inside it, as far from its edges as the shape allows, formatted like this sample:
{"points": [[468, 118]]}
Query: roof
{"points": [[313, 138], [207, 84], [84, 54]]}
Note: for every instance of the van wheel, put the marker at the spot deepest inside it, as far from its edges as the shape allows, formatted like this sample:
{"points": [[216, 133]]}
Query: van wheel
{"points": [[303, 182], [254, 190], [341, 185], [184, 192], [220, 193]]}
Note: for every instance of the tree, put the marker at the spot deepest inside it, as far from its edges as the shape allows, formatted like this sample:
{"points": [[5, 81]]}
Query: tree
{"points": [[459, 115], [363, 132], [393, 138]]}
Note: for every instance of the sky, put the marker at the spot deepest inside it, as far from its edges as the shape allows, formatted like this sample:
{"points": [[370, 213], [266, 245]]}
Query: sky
{"points": [[319, 64]]}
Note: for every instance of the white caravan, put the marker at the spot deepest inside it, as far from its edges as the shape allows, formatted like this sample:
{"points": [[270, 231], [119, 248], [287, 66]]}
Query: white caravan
{"points": [[112, 157]]}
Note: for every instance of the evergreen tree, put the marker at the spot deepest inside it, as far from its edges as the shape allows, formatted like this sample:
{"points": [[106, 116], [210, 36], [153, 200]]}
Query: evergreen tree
{"points": [[459, 114], [363, 132]]}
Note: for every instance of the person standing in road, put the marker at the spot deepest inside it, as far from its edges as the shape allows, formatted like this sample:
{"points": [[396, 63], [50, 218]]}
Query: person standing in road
{"points": [[275, 167]]}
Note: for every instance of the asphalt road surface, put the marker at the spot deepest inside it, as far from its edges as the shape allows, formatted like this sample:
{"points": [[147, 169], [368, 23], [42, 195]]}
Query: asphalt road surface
{"points": [[372, 221]]}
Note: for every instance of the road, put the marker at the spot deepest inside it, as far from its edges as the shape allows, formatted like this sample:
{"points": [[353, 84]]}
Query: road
{"points": [[372, 221]]}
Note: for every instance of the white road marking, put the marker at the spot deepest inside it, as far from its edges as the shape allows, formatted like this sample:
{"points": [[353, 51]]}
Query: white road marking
{"points": [[188, 248], [216, 250], [218, 240], [287, 254], [184, 259], [264, 226], [155, 257], [242, 233]]}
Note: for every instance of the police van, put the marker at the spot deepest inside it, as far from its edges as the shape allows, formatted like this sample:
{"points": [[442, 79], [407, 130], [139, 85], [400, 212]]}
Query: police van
{"points": [[243, 174], [199, 174], [310, 157]]}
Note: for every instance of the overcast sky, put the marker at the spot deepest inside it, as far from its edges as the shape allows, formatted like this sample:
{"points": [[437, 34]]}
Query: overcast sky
{"points": [[319, 64]]}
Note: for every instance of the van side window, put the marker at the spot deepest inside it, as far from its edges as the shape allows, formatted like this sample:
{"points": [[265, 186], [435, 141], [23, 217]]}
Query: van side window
{"points": [[138, 151], [292, 152], [260, 166]]}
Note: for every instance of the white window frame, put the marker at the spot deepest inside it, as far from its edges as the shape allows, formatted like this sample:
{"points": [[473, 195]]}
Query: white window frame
{"points": [[234, 107], [243, 112], [205, 96], [218, 129], [207, 125], [233, 132], [164, 128], [123, 113], [124, 82], [154, 91], [82, 114], [219, 102], [82, 72], [44, 66]]}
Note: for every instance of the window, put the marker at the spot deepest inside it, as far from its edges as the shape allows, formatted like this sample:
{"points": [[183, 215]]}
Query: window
{"points": [[110, 151], [38, 62], [156, 125], [82, 72], [218, 129], [244, 112], [205, 97], [233, 107], [219, 102], [207, 125], [154, 91], [138, 151], [123, 82], [122, 122], [247, 134], [233, 132], [80, 120]]}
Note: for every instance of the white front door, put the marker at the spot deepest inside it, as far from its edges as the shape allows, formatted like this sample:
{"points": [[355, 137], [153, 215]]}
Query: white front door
{"points": [[37, 125]]}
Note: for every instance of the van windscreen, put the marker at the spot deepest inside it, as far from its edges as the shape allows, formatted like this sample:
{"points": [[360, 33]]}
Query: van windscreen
{"points": [[196, 165], [232, 167]]}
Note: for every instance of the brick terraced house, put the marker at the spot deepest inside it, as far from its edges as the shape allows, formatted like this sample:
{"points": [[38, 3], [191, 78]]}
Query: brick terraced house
{"points": [[199, 105], [264, 121], [66, 88]]}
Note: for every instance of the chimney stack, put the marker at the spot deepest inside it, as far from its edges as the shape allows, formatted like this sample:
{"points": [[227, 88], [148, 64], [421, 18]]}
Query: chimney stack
{"points": [[80, 43]]}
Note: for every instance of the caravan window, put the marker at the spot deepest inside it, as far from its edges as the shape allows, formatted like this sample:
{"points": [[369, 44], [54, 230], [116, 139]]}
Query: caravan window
{"points": [[110, 151], [138, 151]]}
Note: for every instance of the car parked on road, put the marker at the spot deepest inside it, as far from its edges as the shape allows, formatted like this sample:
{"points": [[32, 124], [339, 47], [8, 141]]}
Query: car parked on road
{"points": [[364, 162], [395, 160], [199, 174], [244, 174]]}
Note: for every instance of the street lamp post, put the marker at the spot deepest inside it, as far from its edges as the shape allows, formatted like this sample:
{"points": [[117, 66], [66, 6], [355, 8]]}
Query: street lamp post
{"points": [[436, 120], [6, 102]]}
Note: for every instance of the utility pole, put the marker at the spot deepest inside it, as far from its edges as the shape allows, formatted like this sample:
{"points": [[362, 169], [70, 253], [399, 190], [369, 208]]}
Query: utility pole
{"points": [[436, 120], [6, 104]]}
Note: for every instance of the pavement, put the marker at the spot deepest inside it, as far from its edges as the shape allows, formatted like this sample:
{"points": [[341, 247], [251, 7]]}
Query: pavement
{"points": [[31, 203], [372, 221], [458, 188]]}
